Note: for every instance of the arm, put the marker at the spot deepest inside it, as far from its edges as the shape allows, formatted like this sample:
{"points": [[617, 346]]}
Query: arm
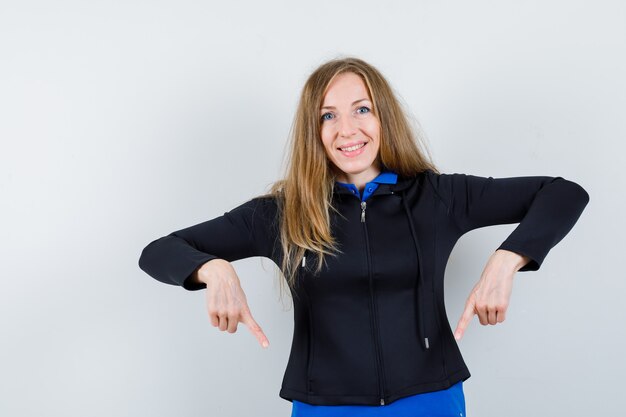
{"points": [[546, 209], [239, 233]]}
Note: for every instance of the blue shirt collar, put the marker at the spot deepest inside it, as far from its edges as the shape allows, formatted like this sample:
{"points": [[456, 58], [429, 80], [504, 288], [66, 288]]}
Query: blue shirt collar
{"points": [[385, 177]]}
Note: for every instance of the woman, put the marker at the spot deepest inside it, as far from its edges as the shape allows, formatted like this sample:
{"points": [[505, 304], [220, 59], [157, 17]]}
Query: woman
{"points": [[362, 226]]}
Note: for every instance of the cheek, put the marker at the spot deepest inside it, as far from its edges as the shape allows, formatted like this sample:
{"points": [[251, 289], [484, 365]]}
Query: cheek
{"points": [[326, 136], [373, 129]]}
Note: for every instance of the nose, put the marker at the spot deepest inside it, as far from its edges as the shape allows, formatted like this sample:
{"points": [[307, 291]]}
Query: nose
{"points": [[347, 126]]}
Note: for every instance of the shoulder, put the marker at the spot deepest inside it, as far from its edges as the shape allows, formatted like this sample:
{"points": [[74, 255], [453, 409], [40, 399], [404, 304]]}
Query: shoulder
{"points": [[440, 184], [426, 178], [265, 203], [265, 206], [445, 182]]}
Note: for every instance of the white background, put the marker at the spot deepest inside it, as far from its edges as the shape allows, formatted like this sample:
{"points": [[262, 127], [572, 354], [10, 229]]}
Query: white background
{"points": [[123, 121]]}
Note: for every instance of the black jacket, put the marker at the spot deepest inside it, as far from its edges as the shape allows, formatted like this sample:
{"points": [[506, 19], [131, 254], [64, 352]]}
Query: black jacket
{"points": [[372, 326]]}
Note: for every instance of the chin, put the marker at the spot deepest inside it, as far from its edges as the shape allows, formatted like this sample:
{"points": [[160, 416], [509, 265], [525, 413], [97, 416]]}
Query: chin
{"points": [[353, 169], [356, 166]]}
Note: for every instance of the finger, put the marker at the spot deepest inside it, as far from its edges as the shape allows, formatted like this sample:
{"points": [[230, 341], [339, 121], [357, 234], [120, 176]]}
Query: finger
{"points": [[466, 317], [255, 329], [501, 315], [482, 313], [491, 315], [233, 321], [215, 320], [212, 309], [223, 320]]}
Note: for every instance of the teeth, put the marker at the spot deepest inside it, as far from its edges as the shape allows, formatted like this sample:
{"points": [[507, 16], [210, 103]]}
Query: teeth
{"points": [[353, 148]]}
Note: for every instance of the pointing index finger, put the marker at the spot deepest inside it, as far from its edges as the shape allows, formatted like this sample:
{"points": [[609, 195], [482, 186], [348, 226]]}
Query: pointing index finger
{"points": [[255, 329], [466, 317]]}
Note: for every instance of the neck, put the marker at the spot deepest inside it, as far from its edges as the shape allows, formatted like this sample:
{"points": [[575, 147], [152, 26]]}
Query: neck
{"points": [[359, 179]]}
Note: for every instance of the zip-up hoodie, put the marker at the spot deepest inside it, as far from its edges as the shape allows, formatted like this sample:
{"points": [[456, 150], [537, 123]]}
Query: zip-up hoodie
{"points": [[371, 326]]}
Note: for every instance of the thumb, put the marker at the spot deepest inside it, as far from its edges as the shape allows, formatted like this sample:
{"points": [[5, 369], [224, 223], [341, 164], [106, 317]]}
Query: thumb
{"points": [[254, 328], [466, 317]]}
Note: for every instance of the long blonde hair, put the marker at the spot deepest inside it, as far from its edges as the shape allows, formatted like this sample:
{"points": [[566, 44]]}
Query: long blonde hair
{"points": [[304, 195]]}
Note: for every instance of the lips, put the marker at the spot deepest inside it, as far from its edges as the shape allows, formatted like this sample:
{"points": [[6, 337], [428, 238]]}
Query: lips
{"points": [[347, 145], [354, 153]]}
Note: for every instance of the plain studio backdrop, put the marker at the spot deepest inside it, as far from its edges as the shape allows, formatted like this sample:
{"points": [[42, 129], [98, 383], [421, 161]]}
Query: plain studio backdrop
{"points": [[121, 122]]}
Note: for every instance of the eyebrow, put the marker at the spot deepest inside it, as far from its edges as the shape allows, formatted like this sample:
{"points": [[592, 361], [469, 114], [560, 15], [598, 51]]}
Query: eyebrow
{"points": [[353, 103]]}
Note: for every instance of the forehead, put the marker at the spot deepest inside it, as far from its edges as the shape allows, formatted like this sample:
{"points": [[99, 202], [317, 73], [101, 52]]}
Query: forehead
{"points": [[346, 87]]}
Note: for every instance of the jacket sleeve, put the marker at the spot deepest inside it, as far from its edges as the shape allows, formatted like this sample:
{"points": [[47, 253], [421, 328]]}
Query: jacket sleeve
{"points": [[546, 209], [240, 233]]}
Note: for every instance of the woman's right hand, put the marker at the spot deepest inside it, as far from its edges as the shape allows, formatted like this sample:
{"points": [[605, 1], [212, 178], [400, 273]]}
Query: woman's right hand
{"points": [[226, 302]]}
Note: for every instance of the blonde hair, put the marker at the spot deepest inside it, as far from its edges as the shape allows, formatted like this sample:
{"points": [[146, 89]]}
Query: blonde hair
{"points": [[304, 195]]}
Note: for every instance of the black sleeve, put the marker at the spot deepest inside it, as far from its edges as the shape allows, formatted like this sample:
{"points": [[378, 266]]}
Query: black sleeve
{"points": [[546, 209], [240, 233]]}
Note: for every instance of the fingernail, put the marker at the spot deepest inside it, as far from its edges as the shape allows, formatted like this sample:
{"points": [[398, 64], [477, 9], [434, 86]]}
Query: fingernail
{"points": [[265, 344]]}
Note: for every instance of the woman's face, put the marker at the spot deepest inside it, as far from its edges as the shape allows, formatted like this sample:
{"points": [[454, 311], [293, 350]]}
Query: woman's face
{"points": [[348, 122]]}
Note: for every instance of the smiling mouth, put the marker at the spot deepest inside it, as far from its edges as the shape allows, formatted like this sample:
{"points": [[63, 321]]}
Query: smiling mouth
{"points": [[353, 151], [353, 147]]}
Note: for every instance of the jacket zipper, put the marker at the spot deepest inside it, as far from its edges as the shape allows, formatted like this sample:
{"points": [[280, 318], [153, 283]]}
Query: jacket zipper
{"points": [[371, 283]]}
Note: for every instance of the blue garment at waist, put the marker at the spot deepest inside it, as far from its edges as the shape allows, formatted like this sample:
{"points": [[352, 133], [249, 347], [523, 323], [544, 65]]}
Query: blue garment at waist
{"points": [[448, 402]]}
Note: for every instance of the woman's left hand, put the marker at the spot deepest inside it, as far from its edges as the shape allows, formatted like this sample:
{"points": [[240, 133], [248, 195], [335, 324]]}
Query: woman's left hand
{"points": [[489, 298]]}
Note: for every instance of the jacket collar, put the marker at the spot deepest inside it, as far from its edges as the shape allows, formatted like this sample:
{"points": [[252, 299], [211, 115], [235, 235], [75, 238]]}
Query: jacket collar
{"points": [[385, 185]]}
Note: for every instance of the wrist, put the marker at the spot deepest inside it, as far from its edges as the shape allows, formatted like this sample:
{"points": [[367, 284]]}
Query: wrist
{"points": [[513, 260], [205, 271]]}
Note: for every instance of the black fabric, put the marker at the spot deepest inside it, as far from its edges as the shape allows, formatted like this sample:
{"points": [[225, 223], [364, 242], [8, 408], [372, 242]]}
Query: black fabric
{"points": [[371, 327]]}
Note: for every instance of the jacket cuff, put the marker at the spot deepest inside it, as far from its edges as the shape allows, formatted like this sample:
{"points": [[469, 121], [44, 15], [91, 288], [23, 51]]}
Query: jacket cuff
{"points": [[186, 282], [536, 259]]}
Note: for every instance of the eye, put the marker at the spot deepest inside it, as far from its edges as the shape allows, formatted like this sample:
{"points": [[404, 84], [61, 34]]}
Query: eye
{"points": [[324, 116], [365, 108]]}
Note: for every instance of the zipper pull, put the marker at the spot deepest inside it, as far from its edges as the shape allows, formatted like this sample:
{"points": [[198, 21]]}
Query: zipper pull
{"points": [[363, 205], [382, 401], [304, 260]]}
